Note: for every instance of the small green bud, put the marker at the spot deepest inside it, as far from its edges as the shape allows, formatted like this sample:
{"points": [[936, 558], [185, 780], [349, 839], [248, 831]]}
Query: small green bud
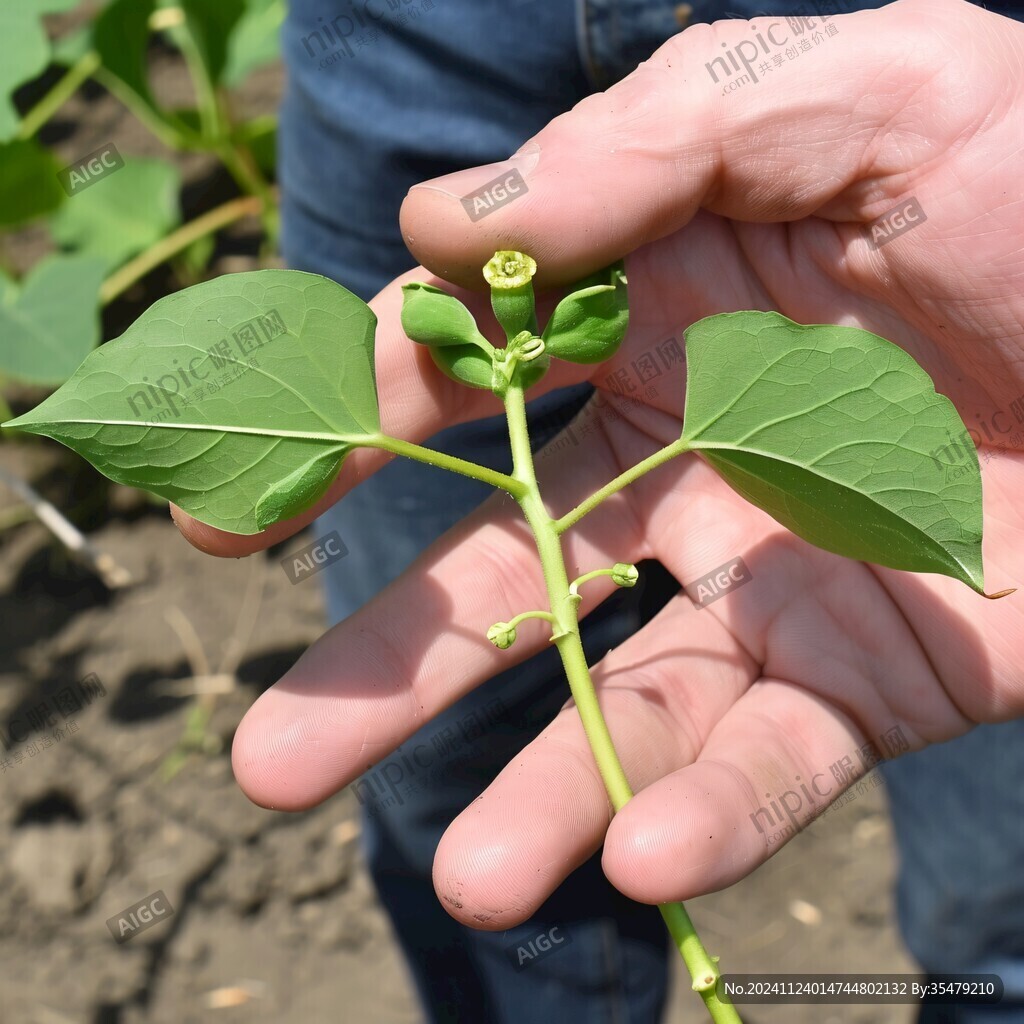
{"points": [[510, 275], [432, 317], [502, 635], [532, 349], [526, 345], [588, 325], [624, 575]]}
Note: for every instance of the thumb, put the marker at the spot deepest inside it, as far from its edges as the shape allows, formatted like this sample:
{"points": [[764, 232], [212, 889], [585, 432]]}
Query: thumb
{"points": [[720, 118]]}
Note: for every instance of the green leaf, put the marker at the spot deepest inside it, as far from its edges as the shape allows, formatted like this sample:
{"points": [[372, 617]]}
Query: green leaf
{"points": [[431, 316], [28, 185], [235, 446], [122, 214], [121, 38], [69, 49], [26, 51], [255, 40], [835, 432], [211, 26], [588, 325], [50, 323], [260, 136]]}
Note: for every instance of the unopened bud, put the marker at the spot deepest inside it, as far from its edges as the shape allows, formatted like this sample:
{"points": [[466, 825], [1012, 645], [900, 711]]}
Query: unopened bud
{"points": [[502, 635], [624, 575]]}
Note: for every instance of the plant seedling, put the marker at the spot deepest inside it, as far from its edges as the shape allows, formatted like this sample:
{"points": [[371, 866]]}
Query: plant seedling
{"points": [[239, 399]]}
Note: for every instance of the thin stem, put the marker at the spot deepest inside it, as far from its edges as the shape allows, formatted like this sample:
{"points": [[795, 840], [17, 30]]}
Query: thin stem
{"points": [[703, 969], [623, 480], [63, 89], [523, 616], [211, 119], [211, 221], [103, 564], [173, 136], [574, 587], [397, 446]]}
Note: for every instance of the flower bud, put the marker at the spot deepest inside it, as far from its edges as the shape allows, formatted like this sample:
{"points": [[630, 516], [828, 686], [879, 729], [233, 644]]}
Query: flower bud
{"points": [[510, 275], [588, 325], [432, 317], [502, 635], [624, 575]]}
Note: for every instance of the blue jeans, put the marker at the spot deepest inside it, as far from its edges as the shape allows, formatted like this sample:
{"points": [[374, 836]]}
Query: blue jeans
{"points": [[367, 114]]}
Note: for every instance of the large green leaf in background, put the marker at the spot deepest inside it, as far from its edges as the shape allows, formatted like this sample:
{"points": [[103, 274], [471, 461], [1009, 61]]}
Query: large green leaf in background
{"points": [[255, 40], [121, 38], [210, 25], [51, 322], [26, 51], [154, 410], [28, 183], [123, 213], [839, 435]]}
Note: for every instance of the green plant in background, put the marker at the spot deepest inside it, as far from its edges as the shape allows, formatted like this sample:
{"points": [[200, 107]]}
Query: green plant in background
{"points": [[124, 225], [825, 428]]}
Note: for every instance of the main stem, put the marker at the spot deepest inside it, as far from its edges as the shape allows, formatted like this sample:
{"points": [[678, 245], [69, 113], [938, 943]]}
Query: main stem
{"points": [[566, 635]]}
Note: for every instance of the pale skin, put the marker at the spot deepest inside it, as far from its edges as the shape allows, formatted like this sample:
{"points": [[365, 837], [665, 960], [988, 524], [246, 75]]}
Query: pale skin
{"points": [[751, 200]]}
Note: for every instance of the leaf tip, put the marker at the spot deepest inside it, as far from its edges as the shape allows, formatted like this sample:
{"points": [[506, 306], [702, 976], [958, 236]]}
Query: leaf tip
{"points": [[1000, 594]]}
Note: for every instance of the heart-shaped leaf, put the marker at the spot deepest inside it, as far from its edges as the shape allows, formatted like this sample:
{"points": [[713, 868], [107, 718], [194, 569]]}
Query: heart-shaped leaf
{"points": [[51, 323], [237, 399], [123, 213], [28, 186], [26, 51], [834, 432]]}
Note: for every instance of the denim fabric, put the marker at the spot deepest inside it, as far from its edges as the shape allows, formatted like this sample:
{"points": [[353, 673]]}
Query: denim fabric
{"points": [[367, 114], [442, 91], [958, 814]]}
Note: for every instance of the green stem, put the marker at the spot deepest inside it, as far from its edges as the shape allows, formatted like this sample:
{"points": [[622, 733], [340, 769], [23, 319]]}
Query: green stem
{"points": [[63, 89], [211, 118], [623, 480], [523, 616], [574, 587], [397, 446], [703, 969], [173, 136], [211, 221]]}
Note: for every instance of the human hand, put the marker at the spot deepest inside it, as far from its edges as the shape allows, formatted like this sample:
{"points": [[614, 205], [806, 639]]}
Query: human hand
{"points": [[755, 199]]}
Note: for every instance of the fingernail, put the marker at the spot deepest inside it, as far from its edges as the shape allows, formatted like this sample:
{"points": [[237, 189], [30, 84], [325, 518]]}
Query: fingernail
{"points": [[463, 183]]}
